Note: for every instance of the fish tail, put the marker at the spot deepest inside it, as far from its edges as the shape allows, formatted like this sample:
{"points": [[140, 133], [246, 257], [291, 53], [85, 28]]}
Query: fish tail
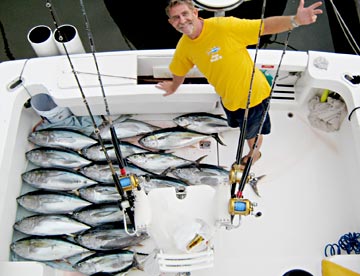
{"points": [[217, 138], [139, 260]]}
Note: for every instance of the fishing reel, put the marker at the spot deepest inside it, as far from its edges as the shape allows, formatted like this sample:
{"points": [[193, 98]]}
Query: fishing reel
{"points": [[241, 206], [238, 205], [129, 182], [235, 173]]}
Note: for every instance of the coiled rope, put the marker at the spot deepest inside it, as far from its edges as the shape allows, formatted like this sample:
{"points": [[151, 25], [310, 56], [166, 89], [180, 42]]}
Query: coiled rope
{"points": [[348, 242]]}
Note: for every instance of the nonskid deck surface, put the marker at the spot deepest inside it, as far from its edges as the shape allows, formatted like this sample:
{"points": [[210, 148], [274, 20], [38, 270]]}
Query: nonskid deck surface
{"points": [[302, 199]]}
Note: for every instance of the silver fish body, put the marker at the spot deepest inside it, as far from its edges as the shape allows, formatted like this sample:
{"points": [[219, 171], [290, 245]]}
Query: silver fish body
{"points": [[202, 122], [108, 237], [46, 248], [158, 162], [126, 129], [106, 262], [174, 138], [68, 263], [48, 157], [100, 193], [51, 202], [63, 138], [206, 174], [96, 152], [49, 225], [101, 172], [62, 264], [97, 214], [56, 179]]}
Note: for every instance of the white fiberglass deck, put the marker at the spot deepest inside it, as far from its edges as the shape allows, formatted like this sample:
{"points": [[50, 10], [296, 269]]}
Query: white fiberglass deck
{"points": [[309, 196]]}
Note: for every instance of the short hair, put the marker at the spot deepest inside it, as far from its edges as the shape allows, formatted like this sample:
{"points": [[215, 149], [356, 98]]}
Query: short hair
{"points": [[173, 3]]}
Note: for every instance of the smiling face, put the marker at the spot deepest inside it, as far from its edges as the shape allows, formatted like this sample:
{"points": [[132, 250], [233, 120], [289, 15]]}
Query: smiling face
{"points": [[184, 19]]}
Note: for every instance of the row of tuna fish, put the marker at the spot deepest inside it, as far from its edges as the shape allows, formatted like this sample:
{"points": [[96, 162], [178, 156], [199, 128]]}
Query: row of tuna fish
{"points": [[75, 222]]}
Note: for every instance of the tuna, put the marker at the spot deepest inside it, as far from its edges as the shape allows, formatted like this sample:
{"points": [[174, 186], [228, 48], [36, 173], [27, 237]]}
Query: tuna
{"points": [[56, 179], [174, 138], [46, 248], [63, 138], [51, 202], [49, 225], [48, 157], [202, 122]]}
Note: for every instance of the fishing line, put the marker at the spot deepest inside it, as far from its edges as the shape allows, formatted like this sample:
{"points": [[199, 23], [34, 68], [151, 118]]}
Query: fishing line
{"points": [[106, 75], [96, 129], [114, 138], [243, 128], [346, 31]]}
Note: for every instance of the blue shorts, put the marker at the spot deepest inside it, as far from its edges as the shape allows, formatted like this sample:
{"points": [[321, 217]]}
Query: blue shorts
{"points": [[255, 115]]}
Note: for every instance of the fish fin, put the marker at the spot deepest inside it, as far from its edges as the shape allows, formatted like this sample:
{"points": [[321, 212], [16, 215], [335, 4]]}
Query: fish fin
{"points": [[166, 171], [197, 161], [217, 138]]}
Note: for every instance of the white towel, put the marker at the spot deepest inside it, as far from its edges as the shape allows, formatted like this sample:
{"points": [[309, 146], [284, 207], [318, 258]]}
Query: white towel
{"points": [[327, 116]]}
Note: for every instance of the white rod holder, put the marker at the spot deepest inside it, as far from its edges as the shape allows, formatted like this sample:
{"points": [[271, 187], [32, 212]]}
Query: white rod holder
{"points": [[40, 38]]}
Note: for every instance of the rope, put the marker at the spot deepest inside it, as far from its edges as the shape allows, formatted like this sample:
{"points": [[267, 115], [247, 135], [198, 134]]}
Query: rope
{"points": [[349, 242], [346, 31]]}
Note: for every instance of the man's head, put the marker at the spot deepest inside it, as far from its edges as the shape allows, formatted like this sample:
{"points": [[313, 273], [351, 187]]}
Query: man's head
{"points": [[173, 3], [182, 15]]}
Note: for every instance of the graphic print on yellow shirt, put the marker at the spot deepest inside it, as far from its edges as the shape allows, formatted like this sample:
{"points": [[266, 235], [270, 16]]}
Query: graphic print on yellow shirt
{"points": [[214, 54]]}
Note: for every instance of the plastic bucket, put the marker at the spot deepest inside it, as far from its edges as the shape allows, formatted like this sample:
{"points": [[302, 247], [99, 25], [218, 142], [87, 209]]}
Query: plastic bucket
{"points": [[40, 38], [44, 105], [67, 35]]}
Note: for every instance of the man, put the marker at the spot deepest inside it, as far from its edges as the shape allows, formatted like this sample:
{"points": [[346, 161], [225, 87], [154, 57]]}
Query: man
{"points": [[217, 46]]}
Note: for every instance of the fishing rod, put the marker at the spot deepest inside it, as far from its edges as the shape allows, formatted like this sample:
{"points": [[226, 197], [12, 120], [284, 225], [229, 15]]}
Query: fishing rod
{"points": [[235, 170], [125, 181], [238, 205], [126, 204], [249, 162]]}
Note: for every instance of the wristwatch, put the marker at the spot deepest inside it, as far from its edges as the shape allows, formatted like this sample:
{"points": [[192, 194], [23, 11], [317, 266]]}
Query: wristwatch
{"points": [[294, 24]]}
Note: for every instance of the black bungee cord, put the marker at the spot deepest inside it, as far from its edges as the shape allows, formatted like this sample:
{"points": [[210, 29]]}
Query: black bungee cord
{"points": [[125, 205]]}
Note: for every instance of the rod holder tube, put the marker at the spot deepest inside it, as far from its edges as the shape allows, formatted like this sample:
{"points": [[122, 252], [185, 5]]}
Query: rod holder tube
{"points": [[68, 36], [40, 38]]}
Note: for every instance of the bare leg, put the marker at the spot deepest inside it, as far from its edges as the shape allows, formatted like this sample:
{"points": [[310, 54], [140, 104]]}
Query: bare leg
{"points": [[255, 151]]}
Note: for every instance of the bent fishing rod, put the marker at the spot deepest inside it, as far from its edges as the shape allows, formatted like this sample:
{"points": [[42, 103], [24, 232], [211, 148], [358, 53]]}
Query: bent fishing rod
{"points": [[126, 202]]}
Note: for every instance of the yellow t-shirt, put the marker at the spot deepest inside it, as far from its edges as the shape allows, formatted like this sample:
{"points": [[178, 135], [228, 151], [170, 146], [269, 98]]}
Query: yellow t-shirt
{"points": [[221, 55]]}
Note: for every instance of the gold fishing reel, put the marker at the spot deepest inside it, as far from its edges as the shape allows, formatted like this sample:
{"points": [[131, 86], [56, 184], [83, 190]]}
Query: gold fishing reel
{"points": [[235, 173], [240, 206], [129, 182]]}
